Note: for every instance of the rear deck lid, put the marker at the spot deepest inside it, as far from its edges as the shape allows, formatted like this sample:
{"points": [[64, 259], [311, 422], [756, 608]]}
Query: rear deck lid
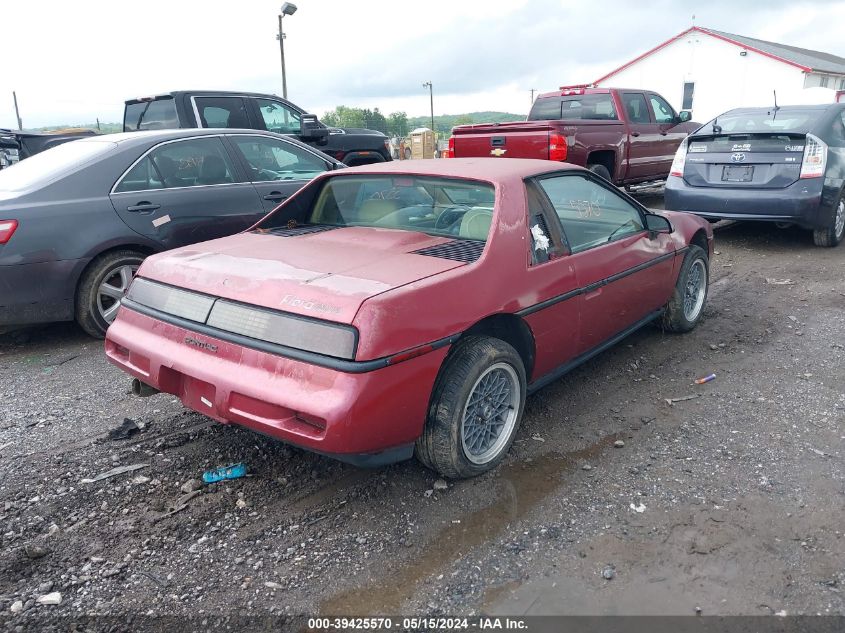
{"points": [[325, 274]]}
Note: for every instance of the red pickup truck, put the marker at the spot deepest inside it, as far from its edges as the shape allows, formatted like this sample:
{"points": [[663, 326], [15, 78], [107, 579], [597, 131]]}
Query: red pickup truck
{"points": [[626, 136]]}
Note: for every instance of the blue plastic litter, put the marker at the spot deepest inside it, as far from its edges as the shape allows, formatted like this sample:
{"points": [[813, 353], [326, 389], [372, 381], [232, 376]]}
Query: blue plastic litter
{"points": [[235, 471]]}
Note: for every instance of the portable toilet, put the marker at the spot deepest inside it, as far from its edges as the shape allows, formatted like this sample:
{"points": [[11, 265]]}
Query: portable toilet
{"points": [[422, 143]]}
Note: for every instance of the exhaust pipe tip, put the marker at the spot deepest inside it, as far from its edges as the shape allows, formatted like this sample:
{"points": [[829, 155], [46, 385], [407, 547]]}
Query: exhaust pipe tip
{"points": [[142, 389]]}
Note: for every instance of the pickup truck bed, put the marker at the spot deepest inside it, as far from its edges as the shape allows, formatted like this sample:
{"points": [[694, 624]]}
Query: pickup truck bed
{"points": [[627, 136]]}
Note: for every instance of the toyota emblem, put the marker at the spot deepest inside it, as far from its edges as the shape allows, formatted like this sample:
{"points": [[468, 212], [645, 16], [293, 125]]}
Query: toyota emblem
{"points": [[737, 158]]}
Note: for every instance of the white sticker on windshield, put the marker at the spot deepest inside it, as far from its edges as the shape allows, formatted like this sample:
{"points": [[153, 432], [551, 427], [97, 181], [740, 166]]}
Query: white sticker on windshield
{"points": [[541, 242], [162, 220]]}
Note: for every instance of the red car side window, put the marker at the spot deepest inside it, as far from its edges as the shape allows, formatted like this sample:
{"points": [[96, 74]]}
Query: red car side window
{"points": [[546, 242]]}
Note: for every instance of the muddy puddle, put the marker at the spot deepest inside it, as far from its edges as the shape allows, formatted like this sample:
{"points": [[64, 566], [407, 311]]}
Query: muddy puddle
{"points": [[520, 488]]}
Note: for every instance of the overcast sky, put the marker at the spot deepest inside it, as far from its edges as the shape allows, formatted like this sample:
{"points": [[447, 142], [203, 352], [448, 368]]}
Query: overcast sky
{"points": [[73, 61]]}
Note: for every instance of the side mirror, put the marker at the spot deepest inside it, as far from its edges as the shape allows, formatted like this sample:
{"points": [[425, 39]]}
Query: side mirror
{"points": [[312, 130], [657, 224], [684, 116]]}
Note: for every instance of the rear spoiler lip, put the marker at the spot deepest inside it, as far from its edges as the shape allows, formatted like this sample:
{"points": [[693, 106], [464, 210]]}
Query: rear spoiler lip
{"points": [[692, 138], [145, 99]]}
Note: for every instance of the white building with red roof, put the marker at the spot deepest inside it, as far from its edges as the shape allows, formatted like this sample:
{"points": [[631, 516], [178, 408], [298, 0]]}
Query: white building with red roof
{"points": [[708, 72]]}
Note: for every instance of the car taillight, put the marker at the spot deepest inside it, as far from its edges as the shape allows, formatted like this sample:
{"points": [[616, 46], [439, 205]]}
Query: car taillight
{"points": [[557, 147], [449, 152], [680, 160], [815, 158], [7, 228]]}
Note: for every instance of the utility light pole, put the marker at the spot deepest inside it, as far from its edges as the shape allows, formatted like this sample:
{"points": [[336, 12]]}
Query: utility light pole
{"points": [[533, 90], [17, 112], [428, 85], [288, 8]]}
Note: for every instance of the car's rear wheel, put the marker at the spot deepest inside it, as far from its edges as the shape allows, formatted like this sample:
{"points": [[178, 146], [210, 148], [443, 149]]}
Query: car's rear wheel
{"points": [[102, 287], [832, 234], [600, 170], [475, 409], [684, 309]]}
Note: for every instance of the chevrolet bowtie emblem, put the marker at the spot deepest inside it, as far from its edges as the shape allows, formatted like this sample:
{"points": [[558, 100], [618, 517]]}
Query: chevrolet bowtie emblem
{"points": [[498, 151]]}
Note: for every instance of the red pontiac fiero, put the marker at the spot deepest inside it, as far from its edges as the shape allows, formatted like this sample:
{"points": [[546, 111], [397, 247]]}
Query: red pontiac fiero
{"points": [[408, 308]]}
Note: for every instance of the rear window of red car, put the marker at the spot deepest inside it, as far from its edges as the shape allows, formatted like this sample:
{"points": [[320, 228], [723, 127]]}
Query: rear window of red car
{"points": [[456, 208]]}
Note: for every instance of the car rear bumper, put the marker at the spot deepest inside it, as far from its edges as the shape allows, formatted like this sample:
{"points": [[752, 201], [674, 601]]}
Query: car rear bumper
{"points": [[369, 418], [38, 293], [802, 203]]}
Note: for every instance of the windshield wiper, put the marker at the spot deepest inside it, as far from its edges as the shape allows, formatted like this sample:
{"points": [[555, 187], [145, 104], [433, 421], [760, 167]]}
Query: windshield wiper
{"points": [[619, 228]]}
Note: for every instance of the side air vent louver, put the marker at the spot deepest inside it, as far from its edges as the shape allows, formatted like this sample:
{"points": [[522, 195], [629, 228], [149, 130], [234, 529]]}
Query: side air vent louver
{"points": [[457, 250], [299, 230]]}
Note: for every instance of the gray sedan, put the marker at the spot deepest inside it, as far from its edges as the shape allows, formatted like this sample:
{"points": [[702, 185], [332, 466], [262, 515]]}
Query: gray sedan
{"points": [[77, 220]]}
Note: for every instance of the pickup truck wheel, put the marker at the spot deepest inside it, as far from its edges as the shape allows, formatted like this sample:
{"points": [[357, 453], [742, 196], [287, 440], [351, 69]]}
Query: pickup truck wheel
{"points": [[832, 234], [475, 409], [600, 170], [684, 309], [101, 289]]}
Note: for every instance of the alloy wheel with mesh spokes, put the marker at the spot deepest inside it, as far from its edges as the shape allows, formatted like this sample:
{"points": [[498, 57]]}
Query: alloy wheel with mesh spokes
{"points": [[476, 407], [695, 287], [490, 413], [683, 311]]}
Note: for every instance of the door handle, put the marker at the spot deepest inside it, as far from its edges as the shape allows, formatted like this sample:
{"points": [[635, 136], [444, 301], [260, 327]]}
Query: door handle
{"points": [[635, 133], [276, 196], [663, 133], [143, 207]]}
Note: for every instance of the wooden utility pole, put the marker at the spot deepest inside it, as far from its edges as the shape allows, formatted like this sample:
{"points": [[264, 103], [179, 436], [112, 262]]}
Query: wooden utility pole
{"points": [[17, 112]]}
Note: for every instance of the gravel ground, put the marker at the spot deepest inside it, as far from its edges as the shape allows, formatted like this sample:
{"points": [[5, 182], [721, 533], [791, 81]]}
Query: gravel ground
{"points": [[730, 502]]}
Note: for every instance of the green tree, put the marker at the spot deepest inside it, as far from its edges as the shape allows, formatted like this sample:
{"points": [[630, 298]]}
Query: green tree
{"points": [[397, 124], [375, 121], [342, 116]]}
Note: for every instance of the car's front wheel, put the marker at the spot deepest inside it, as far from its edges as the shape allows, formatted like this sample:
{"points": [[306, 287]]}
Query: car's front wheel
{"points": [[833, 233], [102, 287], [684, 309], [475, 409]]}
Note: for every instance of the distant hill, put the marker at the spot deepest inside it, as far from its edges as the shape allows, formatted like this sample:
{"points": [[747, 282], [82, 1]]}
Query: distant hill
{"points": [[445, 122], [105, 128]]}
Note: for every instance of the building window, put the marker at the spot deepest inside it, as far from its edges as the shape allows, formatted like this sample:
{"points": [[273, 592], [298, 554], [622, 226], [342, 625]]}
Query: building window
{"points": [[842, 84], [823, 81], [689, 91]]}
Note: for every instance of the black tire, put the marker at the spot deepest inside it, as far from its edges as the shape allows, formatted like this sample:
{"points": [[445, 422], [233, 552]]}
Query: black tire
{"points": [[600, 170], [441, 447], [675, 317], [88, 305], [833, 232]]}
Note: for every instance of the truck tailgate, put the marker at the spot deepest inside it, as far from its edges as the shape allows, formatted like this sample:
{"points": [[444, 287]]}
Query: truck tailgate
{"points": [[522, 139]]}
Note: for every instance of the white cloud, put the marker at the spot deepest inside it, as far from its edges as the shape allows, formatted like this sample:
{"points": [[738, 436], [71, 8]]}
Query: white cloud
{"points": [[72, 62]]}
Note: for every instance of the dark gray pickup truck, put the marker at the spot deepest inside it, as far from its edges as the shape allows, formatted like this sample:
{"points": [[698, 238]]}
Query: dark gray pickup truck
{"points": [[220, 109], [16, 145]]}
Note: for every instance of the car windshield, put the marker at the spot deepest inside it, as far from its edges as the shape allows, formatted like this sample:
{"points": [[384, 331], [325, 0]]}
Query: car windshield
{"points": [[45, 167], [766, 121], [438, 206]]}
